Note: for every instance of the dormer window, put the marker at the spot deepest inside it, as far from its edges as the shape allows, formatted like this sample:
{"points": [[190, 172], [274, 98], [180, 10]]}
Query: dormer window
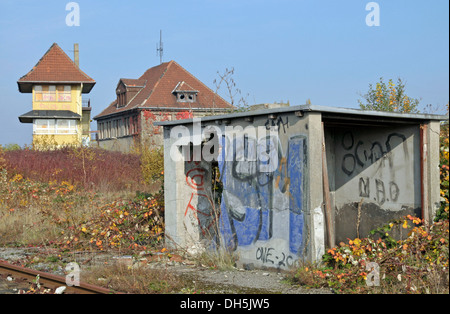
{"points": [[121, 98], [185, 93], [127, 89]]}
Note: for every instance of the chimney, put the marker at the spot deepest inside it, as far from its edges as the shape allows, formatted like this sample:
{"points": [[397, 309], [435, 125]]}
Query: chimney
{"points": [[76, 55]]}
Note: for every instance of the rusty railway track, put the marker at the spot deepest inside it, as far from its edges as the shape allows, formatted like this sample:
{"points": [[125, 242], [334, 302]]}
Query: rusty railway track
{"points": [[49, 281]]}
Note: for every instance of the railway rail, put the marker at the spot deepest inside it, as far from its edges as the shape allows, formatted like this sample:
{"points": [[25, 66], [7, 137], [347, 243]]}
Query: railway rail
{"points": [[49, 281]]}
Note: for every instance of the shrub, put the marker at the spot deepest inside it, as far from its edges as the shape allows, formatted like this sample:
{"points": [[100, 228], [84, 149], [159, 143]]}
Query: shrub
{"points": [[444, 172], [152, 165], [90, 168], [2, 159], [418, 264], [60, 214], [390, 97], [121, 224]]}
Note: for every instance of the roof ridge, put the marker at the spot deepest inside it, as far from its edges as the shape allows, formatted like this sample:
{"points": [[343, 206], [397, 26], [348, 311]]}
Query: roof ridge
{"points": [[73, 62], [140, 90], [157, 83], [142, 77], [40, 60], [181, 83], [126, 85], [61, 51]]}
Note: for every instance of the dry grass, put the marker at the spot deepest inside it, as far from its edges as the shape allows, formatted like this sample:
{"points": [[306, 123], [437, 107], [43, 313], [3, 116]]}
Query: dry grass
{"points": [[61, 197], [22, 227], [41, 224], [90, 168], [417, 264], [137, 280]]}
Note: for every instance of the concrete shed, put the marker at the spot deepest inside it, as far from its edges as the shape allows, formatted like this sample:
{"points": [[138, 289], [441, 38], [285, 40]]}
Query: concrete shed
{"points": [[281, 185]]}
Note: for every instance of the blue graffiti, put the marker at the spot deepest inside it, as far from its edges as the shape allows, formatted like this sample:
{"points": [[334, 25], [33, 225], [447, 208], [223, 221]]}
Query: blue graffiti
{"points": [[247, 199], [295, 170]]}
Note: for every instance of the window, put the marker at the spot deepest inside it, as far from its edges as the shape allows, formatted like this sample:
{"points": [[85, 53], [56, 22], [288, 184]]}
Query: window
{"points": [[52, 126], [49, 93], [44, 127], [66, 126], [65, 93], [121, 99], [117, 128], [38, 93], [127, 126], [100, 130], [53, 93], [186, 97]]}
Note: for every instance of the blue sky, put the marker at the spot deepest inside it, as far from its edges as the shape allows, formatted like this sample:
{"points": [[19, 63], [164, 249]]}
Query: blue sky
{"points": [[281, 50]]}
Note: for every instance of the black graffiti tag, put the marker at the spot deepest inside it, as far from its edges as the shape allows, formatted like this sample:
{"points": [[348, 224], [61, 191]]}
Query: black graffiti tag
{"points": [[269, 255], [380, 190], [357, 155], [277, 122]]}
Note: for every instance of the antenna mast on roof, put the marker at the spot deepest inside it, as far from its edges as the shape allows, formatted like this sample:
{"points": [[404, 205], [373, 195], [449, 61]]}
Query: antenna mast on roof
{"points": [[160, 49]]}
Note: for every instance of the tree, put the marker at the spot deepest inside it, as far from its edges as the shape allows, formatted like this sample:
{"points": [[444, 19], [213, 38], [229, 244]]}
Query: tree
{"points": [[232, 91], [389, 97]]}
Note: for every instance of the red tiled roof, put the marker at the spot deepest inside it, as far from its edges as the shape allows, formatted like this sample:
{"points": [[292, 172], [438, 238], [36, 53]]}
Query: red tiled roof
{"points": [[158, 91], [183, 87], [55, 67], [133, 82]]}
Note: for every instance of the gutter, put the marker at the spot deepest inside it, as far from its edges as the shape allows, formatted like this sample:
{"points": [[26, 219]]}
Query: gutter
{"points": [[335, 112], [159, 109]]}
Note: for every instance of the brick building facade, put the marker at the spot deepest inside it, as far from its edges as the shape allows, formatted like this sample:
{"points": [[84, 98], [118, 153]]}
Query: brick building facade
{"points": [[163, 93]]}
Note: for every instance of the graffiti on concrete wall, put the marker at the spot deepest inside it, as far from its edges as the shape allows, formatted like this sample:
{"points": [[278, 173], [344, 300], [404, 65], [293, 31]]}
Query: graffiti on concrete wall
{"points": [[360, 154], [261, 211], [377, 178], [200, 208], [254, 198]]}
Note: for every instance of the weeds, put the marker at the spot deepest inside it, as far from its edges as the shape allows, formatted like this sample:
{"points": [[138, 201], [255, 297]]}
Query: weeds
{"points": [[89, 168], [73, 219], [69, 198], [444, 172], [124, 224], [140, 280], [152, 165], [418, 264]]}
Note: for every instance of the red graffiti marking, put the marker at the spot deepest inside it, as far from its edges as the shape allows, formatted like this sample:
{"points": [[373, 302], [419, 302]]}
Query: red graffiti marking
{"points": [[195, 178], [202, 216], [193, 208], [201, 207]]}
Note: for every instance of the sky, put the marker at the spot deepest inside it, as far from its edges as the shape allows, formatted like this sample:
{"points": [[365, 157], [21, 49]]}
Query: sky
{"points": [[280, 50]]}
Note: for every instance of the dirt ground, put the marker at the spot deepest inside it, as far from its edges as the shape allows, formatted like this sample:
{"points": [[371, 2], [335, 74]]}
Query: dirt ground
{"points": [[211, 281]]}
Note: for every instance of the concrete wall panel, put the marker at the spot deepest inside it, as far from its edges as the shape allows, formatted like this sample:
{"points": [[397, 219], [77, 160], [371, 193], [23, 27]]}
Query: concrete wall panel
{"points": [[376, 177]]}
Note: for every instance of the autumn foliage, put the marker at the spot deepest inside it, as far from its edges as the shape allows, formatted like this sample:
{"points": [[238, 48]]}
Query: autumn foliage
{"points": [[87, 168], [78, 198], [444, 170], [389, 97], [417, 264]]}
